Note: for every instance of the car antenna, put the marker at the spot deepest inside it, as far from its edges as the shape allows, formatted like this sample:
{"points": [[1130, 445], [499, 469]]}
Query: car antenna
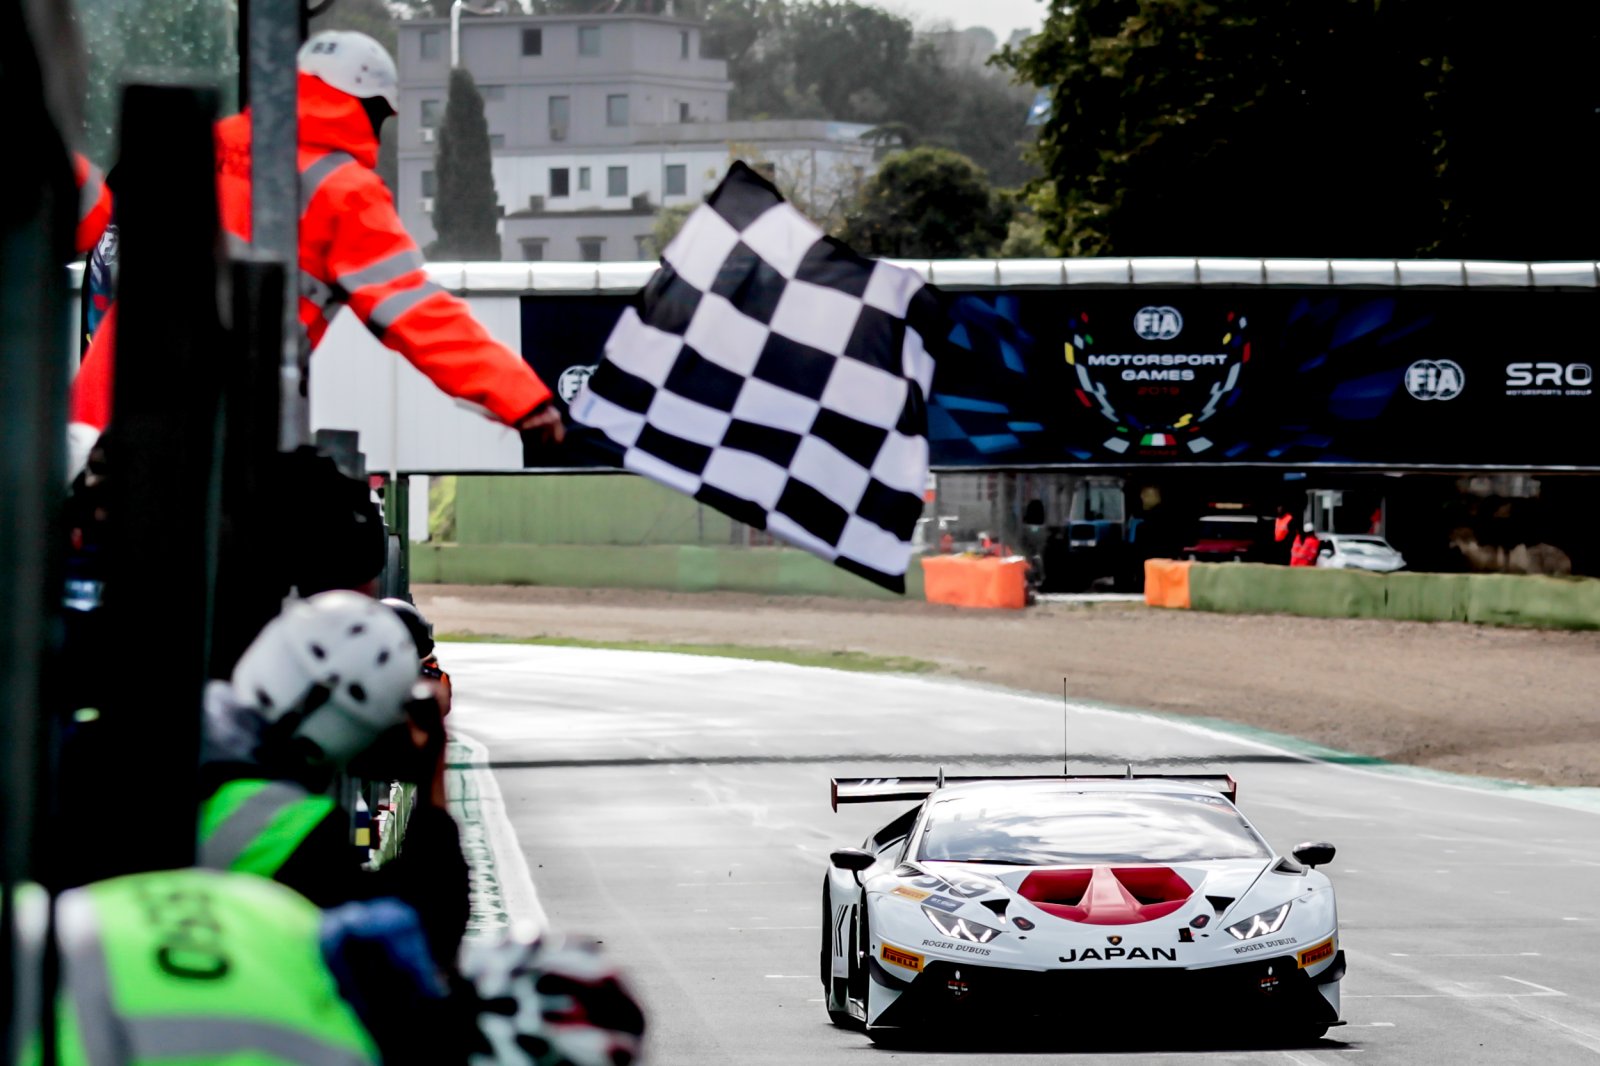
{"points": [[940, 779], [1130, 771]]}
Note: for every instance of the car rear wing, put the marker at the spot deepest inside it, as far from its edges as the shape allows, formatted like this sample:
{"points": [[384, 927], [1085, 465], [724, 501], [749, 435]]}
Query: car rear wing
{"points": [[891, 789]]}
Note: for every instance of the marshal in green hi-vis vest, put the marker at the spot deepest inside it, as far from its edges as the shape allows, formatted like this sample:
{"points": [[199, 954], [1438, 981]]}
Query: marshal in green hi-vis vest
{"points": [[197, 968], [253, 826]]}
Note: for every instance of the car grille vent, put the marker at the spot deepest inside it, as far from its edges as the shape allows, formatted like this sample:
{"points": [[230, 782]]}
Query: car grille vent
{"points": [[998, 906], [1220, 903], [1288, 866]]}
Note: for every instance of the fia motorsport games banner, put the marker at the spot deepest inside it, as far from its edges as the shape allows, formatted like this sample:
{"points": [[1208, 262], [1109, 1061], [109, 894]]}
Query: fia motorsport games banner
{"points": [[1105, 378]]}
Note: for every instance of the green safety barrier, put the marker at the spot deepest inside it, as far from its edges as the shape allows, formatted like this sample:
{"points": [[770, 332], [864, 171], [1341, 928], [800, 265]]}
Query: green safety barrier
{"points": [[678, 568], [1485, 599]]}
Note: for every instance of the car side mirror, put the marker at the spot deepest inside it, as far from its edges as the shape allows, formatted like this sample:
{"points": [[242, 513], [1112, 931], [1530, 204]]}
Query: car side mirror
{"points": [[1314, 854], [853, 859]]}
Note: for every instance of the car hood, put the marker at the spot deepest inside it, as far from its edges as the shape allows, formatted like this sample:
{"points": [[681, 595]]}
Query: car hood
{"points": [[1087, 894]]}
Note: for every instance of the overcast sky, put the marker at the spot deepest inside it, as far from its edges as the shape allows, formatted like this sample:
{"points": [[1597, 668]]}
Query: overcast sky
{"points": [[1001, 16]]}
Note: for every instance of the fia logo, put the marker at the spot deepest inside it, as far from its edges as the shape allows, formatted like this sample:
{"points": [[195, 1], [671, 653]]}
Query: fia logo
{"points": [[571, 380], [1435, 379], [1157, 323]]}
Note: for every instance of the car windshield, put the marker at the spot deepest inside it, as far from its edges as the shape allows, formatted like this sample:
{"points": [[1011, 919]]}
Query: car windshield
{"points": [[1363, 546], [1047, 828]]}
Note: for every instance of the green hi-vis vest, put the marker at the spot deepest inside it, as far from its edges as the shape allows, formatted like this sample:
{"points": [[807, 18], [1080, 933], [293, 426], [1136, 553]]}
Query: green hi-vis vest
{"points": [[197, 968], [254, 826]]}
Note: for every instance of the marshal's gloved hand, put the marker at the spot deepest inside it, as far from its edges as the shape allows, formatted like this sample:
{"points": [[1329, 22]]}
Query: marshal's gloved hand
{"points": [[551, 1002]]}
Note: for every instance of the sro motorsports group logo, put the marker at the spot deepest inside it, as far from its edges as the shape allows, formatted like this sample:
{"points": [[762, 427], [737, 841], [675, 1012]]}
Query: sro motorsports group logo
{"points": [[1549, 379], [1435, 379]]}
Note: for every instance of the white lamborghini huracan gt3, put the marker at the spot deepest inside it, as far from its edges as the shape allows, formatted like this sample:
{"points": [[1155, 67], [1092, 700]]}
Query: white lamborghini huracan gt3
{"points": [[1083, 899]]}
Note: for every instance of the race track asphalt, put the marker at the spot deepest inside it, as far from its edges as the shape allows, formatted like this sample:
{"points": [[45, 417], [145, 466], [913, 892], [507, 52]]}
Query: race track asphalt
{"points": [[677, 808]]}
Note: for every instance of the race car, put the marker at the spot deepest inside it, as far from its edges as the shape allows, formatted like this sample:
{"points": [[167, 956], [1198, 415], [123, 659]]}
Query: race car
{"points": [[1082, 902]]}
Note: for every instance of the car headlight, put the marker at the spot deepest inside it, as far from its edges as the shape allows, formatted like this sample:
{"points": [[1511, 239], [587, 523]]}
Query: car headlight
{"points": [[1262, 924], [960, 928]]}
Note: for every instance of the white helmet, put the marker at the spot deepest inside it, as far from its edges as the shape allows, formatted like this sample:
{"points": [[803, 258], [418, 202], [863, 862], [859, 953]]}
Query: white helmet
{"points": [[352, 63], [550, 1002], [352, 648]]}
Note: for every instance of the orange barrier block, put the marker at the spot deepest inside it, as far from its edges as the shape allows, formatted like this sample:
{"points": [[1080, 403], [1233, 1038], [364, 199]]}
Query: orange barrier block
{"points": [[966, 581], [1166, 583]]}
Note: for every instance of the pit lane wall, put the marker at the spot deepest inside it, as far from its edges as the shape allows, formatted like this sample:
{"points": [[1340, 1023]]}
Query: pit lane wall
{"points": [[1482, 599]]}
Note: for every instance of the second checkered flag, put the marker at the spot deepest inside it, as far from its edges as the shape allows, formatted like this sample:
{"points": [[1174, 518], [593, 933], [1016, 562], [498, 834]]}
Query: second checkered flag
{"points": [[772, 373]]}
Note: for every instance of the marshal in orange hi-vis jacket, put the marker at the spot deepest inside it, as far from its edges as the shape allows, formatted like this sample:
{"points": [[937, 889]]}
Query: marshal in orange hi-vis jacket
{"points": [[353, 252]]}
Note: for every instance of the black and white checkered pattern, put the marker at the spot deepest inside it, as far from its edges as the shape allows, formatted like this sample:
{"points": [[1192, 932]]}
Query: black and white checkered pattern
{"points": [[777, 376]]}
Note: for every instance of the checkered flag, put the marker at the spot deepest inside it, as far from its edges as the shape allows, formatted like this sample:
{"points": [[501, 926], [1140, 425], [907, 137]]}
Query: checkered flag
{"points": [[777, 376]]}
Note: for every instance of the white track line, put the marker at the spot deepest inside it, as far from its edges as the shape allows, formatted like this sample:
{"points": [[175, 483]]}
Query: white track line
{"points": [[511, 865]]}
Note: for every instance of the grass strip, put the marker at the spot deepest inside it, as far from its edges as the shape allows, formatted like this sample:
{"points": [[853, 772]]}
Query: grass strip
{"points": [[856, 661]]}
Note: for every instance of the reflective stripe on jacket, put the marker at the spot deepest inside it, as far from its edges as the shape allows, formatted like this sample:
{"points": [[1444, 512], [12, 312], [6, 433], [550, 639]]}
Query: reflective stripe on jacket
{"points": [[197, 968], [254, 826], [355, 252]]}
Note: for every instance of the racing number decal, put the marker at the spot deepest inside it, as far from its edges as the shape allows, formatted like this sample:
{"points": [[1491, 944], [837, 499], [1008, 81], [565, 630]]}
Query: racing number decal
{"points": [[909, 959], [190, 937], [1313, 955], [959, 889]]}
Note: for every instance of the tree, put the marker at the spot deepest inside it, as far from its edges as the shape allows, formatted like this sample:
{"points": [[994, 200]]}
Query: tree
{"points": [[1516, 103], [928, 203], [182, 40], [1257, 127], [466, 211], [852, 62]]}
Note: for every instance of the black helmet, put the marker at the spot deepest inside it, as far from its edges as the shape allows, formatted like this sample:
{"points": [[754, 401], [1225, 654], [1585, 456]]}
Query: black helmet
{"points": [[420, 628]]}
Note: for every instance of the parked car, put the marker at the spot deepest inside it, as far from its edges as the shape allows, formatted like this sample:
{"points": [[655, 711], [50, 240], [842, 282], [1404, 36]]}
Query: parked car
{"points": [[1341, 552], [1225, 539]]}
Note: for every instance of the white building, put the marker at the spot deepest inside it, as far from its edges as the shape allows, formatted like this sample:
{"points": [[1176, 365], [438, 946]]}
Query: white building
{"points": [[596, 123]]}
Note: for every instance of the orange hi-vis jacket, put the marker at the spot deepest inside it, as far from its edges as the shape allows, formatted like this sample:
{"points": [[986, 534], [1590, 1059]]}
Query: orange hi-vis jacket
{"points": [[94, 203], [1304, 551], [353, 252]]}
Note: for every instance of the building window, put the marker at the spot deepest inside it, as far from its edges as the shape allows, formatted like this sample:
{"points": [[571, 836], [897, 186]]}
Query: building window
{"points": [[683, 44], [616, 111], [560, 117], [677, 180], [493, 92], [432, 44], [683, 112], [533, 250], [559, 177], [533, 42], [583, 179], [616, 181], [645, 246], [432, 112], [588, 40], [430, 183], [497, 140], [589, 248]]}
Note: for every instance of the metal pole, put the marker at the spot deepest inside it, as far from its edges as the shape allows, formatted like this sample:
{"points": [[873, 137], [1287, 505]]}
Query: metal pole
{"points": [[273, 30], [163, 486], [455, 34]]}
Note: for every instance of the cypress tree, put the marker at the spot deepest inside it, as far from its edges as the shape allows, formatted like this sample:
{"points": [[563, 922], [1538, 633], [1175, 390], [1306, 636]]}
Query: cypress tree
{"points": [[465, 209]]}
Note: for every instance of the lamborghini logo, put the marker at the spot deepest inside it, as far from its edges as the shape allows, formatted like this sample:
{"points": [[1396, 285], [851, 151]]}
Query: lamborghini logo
{"points": [[1114, 940]]}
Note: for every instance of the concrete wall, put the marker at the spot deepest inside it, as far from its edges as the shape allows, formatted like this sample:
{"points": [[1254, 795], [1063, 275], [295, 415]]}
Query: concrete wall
{"points": [[1484, 599], [770, 571], [584, 510]]}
